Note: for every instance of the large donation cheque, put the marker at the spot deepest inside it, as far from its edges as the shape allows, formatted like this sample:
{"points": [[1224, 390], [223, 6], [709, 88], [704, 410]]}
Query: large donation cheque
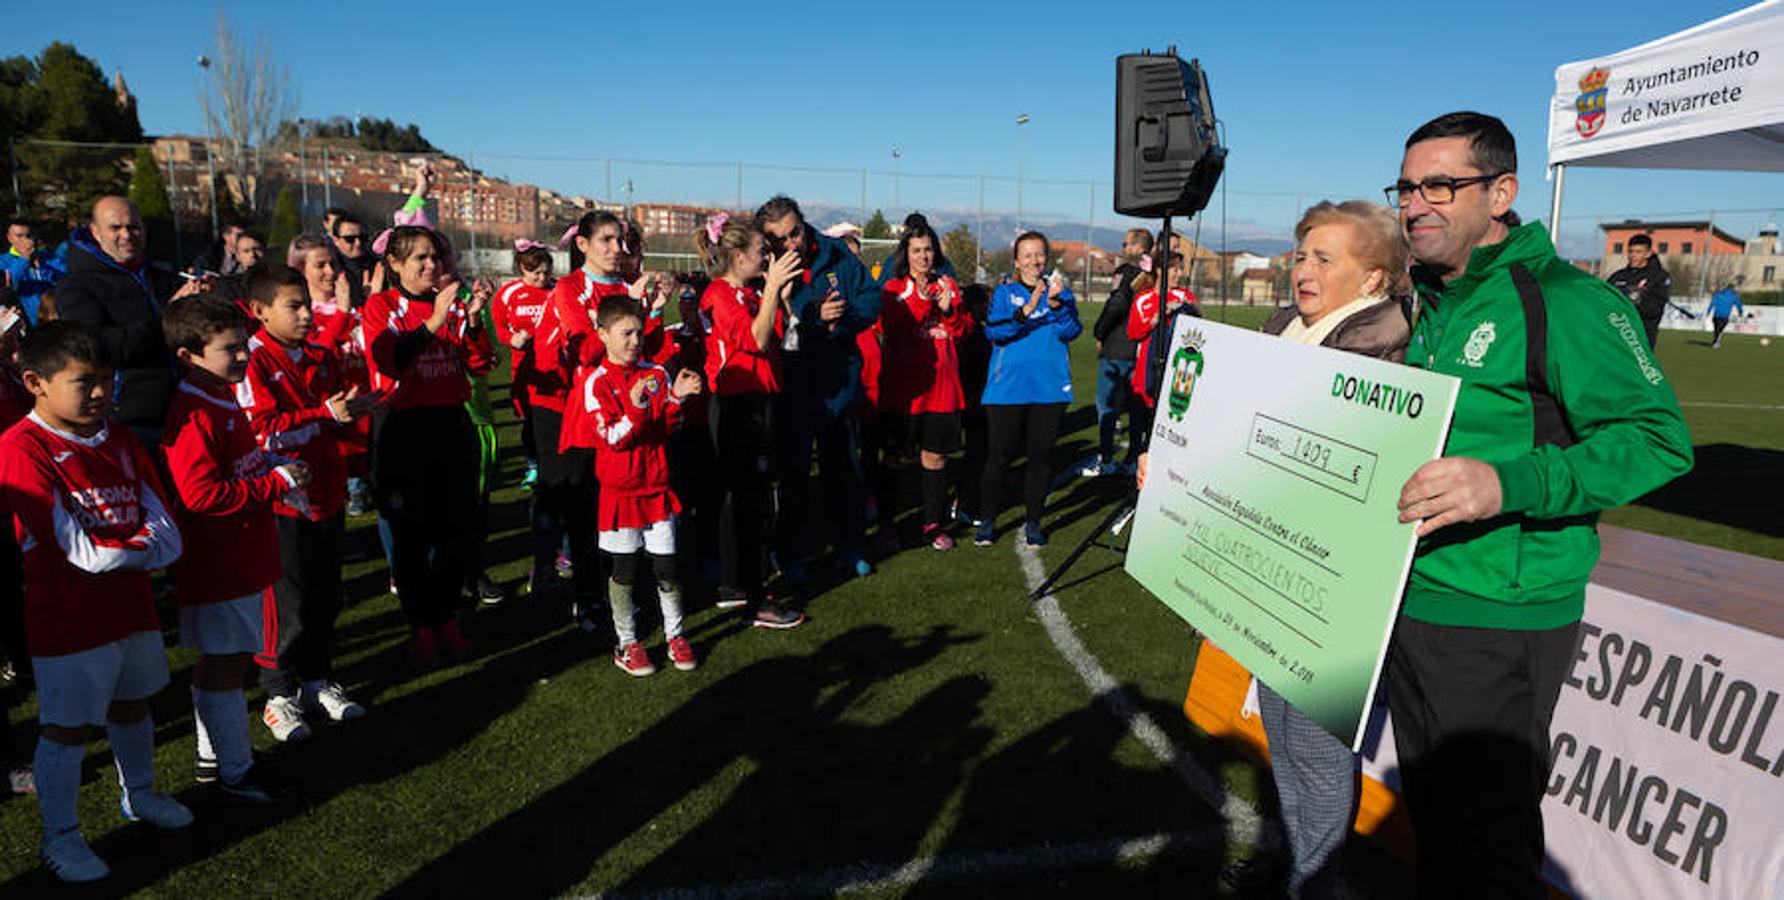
{"points": [[1269, 516]]}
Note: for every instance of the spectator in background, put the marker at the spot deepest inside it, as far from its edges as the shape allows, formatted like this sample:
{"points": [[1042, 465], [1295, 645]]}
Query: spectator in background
{"points": [[1723, 304], [330, 216], [1645, 283], [247, 256], [354, 255], [219, 257], [113, 291], [29, 271], [1115, 358]]}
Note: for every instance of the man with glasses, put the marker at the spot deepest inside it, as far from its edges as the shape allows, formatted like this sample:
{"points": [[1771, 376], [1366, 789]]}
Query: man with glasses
{"points": [[352, 253], [832, 300], [1562, 413], [1645, 282]]}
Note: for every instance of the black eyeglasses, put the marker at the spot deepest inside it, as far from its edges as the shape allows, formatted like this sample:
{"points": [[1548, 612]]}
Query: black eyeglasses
{"points": [[1436, 191], [792, 238], [350, 238]]}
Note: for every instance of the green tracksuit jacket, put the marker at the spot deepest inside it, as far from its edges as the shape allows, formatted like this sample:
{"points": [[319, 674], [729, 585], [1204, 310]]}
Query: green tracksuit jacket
{"points": [[1526, 568]]}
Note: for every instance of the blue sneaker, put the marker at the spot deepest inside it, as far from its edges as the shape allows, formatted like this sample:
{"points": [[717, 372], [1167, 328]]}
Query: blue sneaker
{"points": [[1033, 534], [986, 535], [859, 566]]}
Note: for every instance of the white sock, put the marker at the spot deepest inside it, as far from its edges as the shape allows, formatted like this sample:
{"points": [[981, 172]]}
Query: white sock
{"points": [[619, 597], [671, 603], [203, 734], [225, 718], [133, 749], [57, 768]]}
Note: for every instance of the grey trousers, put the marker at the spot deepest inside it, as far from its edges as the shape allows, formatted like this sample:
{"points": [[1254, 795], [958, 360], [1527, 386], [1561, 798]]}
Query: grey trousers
{"points": [[1316, 784]]}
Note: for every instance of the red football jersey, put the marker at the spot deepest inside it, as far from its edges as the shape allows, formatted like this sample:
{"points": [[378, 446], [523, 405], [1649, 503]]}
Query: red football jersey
{"points": [[284, 396], [414, 368], [922, 374], [631, 464], [224, 486], [734, 364], [517, 308], [90, 521], [1141, 317]]}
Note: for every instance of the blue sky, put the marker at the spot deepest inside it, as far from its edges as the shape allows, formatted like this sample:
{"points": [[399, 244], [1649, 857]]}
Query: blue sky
{"points": [[1316, 97]]}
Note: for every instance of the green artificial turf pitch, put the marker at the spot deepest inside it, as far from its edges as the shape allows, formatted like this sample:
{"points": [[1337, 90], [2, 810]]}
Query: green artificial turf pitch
{"points": [[922, 714]]}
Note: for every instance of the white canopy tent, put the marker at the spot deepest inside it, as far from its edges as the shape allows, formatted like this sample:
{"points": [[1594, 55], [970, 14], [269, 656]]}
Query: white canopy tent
{"points": [[1708, 97]]}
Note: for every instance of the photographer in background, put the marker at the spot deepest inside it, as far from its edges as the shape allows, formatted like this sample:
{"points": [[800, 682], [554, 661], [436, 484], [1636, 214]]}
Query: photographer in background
{"points": [[1645, 283]]}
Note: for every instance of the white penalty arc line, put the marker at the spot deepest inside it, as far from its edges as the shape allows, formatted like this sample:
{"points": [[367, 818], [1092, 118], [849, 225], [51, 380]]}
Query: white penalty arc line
{"points": [[1244, 827], [977, 864]]}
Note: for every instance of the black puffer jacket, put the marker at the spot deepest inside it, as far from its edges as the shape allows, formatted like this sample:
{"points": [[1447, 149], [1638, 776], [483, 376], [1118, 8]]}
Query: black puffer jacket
{"points": [[124, 309]]}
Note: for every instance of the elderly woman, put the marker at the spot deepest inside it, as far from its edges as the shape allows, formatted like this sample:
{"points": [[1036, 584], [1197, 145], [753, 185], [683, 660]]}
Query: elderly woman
{"points": [[1349, 256], [1348, 259]]}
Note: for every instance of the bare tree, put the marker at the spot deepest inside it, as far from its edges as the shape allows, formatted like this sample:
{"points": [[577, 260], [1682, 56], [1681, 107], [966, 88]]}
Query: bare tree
{"points": [[248, 95]]}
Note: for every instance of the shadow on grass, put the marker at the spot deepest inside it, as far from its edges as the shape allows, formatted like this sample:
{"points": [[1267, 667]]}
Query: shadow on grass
{"points": [[1062, 800], [382, 746], [1729, 485], [817, 791]]}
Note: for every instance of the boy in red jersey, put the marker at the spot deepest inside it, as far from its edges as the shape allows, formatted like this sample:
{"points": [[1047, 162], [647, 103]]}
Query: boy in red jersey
{"points": [[225, 486], [86, 508], [301, 403], [633, 409]]}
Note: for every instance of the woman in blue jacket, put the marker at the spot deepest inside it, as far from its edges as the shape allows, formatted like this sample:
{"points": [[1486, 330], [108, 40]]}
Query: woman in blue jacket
{"points": [[1031, 320]]}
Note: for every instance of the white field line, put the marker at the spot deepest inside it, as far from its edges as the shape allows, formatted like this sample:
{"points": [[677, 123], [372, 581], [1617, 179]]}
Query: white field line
{"points": [[1244, 825], [1712, 404], [979, 864]]}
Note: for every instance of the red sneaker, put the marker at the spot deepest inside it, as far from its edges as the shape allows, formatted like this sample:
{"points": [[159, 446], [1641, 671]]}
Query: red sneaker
{"points": [[681, 653], [632, 660], [424, 648], [453, 643], [937, 538]]}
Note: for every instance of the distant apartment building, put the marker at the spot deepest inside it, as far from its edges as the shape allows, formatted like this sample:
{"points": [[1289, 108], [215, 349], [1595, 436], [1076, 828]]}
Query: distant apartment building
{"points": [[672, 219]]}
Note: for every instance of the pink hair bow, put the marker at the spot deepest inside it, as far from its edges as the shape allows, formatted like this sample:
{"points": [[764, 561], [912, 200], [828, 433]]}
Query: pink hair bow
{"points": [[522, 245], [569, 234], [715, 226], [416, 219]]}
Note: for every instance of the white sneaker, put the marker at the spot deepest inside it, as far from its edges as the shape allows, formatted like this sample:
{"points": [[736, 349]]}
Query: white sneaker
{"points": [[332, 702], [155, 808], [1095, 470], [68, 855], [285, 719]]}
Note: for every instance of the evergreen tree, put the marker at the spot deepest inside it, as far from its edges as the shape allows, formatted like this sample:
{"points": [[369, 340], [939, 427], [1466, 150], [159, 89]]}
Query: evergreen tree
{"points": [[67, 99], [148, 190], [877, 227], [961, 249], [287, 224]]}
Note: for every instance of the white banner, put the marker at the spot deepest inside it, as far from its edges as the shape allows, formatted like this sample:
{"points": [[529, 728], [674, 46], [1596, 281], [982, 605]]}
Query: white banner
{"points": [[1711, 97], [1668, 757], [1755, 320]]}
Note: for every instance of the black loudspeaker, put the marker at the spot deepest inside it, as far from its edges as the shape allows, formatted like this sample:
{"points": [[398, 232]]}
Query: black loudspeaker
{"points": [[1168, 155]]}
